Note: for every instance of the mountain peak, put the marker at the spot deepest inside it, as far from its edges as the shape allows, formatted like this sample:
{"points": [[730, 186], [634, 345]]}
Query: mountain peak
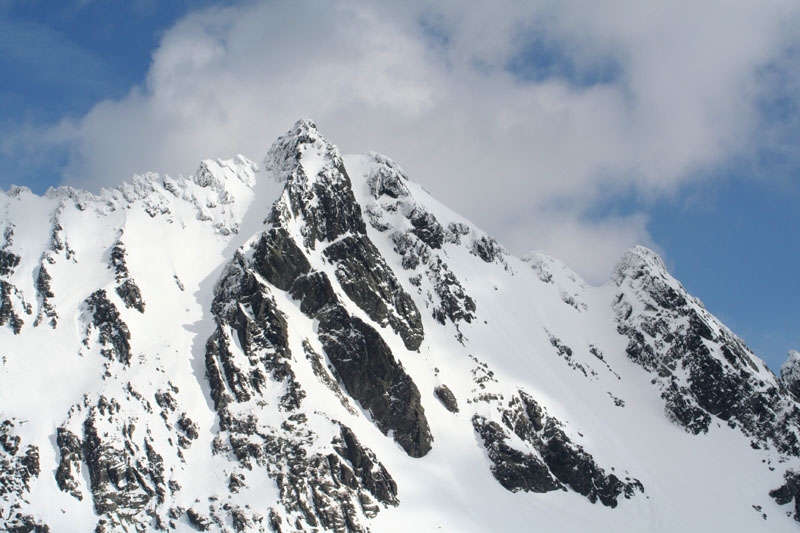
{"points": [[367, 360], [304, 124], [637, 259], [318, 198]]}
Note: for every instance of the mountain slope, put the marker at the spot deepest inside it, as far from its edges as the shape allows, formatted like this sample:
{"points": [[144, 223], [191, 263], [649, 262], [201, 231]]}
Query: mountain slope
{"points": [[320, 345]]}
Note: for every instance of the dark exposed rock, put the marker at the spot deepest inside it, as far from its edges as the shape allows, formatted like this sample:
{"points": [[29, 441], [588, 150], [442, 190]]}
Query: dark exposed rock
{"points": [[45, 292], [21, 523], [69, 467], [417, 247], [789, 491], [577, 469], [426, 227], [549, 459], [188, 431], [325, 202], [8, 439], [487, 249], [447, 398], [19, 467], [8, 315], [678, 341], [515, 470], [278, 258], [456, 230], [566, 353], [8, 262], [326, 490], [567, 461], [126, 475], [118, 262], [262, 334], [373, 377], [166, 400], [454, 304], [131, 295], [126, 288], [322, 374], [199, 522], [363, 361], [112, 333], [246, 306], [366, 468], [370, 283], [790, 373], [317, 490], [314, 291]]}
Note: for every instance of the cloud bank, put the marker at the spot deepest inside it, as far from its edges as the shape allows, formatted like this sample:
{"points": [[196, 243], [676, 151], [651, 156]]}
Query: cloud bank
{"points": [[523, 116]]}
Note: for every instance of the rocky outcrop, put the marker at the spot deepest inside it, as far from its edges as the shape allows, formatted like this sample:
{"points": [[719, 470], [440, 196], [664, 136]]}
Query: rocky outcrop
{"points": [[242, 369], [45, 295], [514, 469], [703, 370], [126, 288], [112, 333], [488, 249], [19, 468], [393, 207], [789, 492], [451, 302], [318, 190], [104, 443], [8, 292], [373, 377], [126, 475], [332, 485], [552, 462], [12, 306], [366, 367], [530, 449], [318, 194], [370, 284], [567, 462], [790, 373], [361, 358], [447, 397], [8, 262], [68, 473]]}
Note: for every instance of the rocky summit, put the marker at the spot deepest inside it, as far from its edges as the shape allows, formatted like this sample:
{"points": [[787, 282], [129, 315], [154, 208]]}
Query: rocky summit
{"points": [[314, 343]]}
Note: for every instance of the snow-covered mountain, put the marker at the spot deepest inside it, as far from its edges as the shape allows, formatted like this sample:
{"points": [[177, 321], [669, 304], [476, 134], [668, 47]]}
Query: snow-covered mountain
{"points": [[316, 344]]}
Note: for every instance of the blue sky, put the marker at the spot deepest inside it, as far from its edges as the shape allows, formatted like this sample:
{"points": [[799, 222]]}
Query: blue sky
{"points": [[573, 128]]}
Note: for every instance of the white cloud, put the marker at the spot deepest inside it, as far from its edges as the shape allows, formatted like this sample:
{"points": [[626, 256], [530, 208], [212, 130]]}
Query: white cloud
{"points": [[428, 84]]}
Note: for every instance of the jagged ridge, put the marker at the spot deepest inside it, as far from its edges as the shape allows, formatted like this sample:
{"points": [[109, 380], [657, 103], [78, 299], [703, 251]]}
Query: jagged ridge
{"points": [[320, 345]]}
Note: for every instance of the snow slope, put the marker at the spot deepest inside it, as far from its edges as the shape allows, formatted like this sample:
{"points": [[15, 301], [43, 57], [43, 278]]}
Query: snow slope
{"points": [[319, 344]]}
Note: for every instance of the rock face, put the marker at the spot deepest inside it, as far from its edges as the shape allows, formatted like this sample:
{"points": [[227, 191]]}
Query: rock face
{"points": [[112, 332], [249, 364], [789, 492], [275, 349], [790, 373], [126, 287], [542, 458], [19, 468], [367, 280], [703, 370]]}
